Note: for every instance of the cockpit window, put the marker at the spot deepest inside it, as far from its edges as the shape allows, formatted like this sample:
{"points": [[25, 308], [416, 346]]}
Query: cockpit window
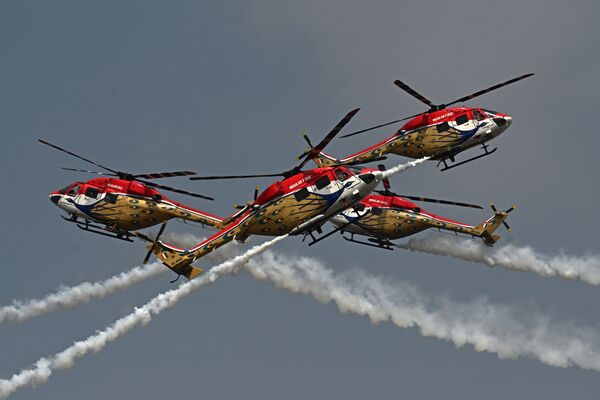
{"points": [[491, 113], [64, 190], [443, 127], [92, 192], [322, 182], [478, 115], [73, 190], [341, 175], [461, 119]]}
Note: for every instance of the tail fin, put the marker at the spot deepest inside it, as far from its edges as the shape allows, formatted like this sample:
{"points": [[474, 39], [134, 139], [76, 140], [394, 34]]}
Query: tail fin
{"points": [[486, 229], [176, 261]]}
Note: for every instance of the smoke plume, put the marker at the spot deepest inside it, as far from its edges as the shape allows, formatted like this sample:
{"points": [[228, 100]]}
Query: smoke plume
{"points": [[404, 167], [65, 297], [21, 310], [509, 332], [44, 367], [520, 258]]}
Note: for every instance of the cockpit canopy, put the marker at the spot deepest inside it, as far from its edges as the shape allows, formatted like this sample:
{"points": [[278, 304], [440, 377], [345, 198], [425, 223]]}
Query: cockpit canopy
{"points": [[70, 190], [342, 174], [491, 113]]}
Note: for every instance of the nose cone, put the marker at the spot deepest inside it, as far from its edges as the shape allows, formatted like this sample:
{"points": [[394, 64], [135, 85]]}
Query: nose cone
{"points": [[367, 178], [503, 121], [378, 176], [372, 177], [54, 198]]}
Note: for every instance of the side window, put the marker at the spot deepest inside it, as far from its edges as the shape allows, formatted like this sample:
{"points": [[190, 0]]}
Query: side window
{"points": [[110, 198], [359, 207], [301, 194], [461, 119], [322, 182], [73, 190], [443, 127], [91, 192], [376, 211]]}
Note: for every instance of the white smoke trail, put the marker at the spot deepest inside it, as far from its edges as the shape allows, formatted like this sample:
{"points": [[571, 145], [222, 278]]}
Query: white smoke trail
{"points": [[44, 367], [505, 331], [404, 167], [510, 256], [21, 310], [65, 297]]}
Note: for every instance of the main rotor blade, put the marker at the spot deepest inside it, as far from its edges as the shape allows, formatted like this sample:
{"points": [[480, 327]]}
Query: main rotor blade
{"points": [[479, 93], [88, 171], [421, 98], [430, 200], [414, 93], [380, 126], [78, 156], [208, 178], [172, 189], [319, 147], [158, 175]]}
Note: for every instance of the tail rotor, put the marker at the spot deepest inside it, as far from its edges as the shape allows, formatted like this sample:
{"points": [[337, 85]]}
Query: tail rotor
{"points": [[507, 211], [155, 242]]}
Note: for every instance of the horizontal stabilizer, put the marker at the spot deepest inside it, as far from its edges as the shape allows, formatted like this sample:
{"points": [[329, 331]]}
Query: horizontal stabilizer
{"points": [[180, 264], [188, 271]]}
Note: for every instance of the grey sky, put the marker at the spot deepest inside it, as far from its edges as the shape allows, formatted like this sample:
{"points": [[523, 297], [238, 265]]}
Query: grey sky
{"points": [[229, 87]]}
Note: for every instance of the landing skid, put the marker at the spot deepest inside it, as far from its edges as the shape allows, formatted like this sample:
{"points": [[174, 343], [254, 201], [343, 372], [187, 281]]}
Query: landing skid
{"points": [[486, 153], [338, 229], [315, 241], [99, 229], [373, 242]]}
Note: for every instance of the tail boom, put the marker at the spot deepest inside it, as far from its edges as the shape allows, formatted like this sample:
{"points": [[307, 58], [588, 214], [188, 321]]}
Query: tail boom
{"points": [[178, 210], [485, 230], [180, 260]]}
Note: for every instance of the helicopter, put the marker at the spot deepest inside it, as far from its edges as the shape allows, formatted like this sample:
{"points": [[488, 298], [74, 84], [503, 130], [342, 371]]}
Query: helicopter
{"points": [[383, 216], [299, 204], [121, 203], [441, 132]]}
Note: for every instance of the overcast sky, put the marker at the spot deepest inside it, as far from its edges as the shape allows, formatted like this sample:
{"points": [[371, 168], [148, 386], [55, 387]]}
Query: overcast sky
{"points": [[228, 87]]}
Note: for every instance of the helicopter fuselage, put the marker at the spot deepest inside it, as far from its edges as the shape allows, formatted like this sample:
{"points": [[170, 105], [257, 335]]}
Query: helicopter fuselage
{"points": [[388, 218], [296, 205], [124, 205], [440, 135]]}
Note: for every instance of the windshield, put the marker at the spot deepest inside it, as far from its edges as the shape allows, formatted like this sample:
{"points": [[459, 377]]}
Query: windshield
{"points": [[73, 190], [478, 115], [64, 190], [341, 175]]}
